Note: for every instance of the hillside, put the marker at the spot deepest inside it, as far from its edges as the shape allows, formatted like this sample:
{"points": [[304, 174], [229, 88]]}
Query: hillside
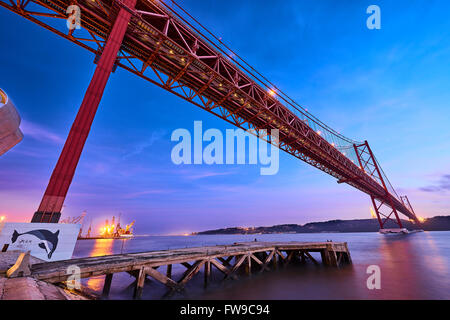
{"points": [[439, 223]]}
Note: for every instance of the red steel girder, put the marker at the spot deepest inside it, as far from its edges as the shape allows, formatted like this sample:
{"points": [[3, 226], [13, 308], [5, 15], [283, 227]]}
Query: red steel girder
{"points": [[55, 194], [164, 49], [369, 165]]}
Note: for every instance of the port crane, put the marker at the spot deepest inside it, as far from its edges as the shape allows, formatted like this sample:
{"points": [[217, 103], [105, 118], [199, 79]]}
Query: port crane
{"points": [[75, 220]]}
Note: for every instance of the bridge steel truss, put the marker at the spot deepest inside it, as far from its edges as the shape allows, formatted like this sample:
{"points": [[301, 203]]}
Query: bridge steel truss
{"points": [[164, 49], [370, 166]]}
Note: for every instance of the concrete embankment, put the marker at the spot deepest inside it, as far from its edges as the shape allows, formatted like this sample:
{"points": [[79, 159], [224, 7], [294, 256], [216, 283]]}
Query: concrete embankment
{"points": [[27, 288]]}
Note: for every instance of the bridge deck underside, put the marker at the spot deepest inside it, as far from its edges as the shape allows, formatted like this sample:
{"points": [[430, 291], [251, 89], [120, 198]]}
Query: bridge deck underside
{"points": [[164, 50]]}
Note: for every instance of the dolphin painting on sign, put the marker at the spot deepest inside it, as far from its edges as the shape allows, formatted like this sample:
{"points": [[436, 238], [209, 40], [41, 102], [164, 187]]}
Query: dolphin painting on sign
{"points": [[49, 240], [45, 241]]}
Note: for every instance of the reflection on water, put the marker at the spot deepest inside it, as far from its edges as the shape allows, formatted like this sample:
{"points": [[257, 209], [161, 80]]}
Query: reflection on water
{"points": [[414, 266], [400, 269], [102, 247], [435, 258], [95, 283]]}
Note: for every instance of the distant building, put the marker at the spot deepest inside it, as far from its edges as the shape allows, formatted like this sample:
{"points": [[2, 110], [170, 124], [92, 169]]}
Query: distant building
{"points": [[10, 133]]}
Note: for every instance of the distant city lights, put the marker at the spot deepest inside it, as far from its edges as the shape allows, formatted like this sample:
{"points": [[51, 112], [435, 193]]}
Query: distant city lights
{"points": [[372, 213]]}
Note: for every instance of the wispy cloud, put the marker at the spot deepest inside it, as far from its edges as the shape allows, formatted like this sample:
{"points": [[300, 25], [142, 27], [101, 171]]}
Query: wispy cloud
{"points": [[28, 153], [38, 132], [139, 148], [442, 185], [209, 174], [139, 194]]}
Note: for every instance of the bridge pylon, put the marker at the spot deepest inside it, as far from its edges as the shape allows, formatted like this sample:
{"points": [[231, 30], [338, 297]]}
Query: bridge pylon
{"points": [[407, 204], [50, 208], [384, 206]]}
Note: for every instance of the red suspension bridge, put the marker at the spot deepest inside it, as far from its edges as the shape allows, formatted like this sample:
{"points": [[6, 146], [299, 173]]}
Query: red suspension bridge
{"points": [[166, 46]]}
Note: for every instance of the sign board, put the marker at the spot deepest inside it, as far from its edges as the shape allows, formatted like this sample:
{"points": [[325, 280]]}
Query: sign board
{"points": [[46, 241]]}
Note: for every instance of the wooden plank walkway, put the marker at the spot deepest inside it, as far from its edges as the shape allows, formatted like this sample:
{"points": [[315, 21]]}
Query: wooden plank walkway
{"points": [[249, 257]]}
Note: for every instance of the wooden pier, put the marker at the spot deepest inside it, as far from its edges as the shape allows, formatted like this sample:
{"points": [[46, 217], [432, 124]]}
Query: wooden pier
{"points": [[229, 259]]}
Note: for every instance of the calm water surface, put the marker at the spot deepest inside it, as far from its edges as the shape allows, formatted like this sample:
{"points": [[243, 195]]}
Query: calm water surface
{"points": [[414, 266]]}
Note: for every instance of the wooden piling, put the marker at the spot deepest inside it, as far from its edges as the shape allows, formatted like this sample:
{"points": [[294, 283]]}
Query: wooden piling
{"points": [[207, 271], [248, 265], [140, 283], [107, 285]]}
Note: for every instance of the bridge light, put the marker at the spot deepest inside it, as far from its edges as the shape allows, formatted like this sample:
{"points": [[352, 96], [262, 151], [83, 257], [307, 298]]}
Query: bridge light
{"points": [[271, 92], [319, 132]]}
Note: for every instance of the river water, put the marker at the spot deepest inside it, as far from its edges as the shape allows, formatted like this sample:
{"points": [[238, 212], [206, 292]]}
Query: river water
{"points": [[413, 266]]}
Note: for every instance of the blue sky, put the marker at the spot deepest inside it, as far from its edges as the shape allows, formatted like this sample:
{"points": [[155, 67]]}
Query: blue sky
{"points": [[387, 86]]}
